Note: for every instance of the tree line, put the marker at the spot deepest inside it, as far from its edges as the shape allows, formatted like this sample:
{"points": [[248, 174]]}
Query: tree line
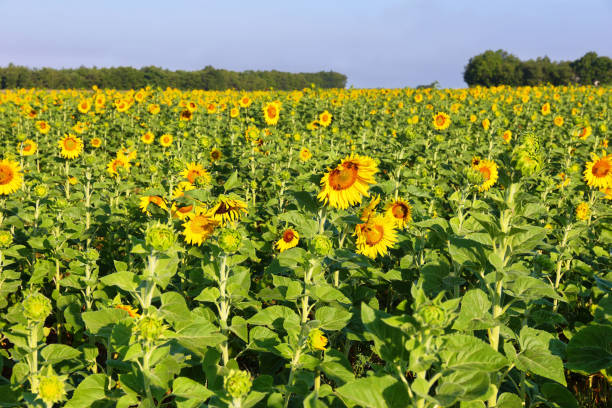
{"points": [[493, 68], [209, 78]]}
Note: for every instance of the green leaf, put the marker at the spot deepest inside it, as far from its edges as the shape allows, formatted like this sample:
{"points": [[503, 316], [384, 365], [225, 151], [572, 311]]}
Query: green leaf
{"points": [[540, 361], [274, 316], [54, 353], [239, 328], [527, 239], [327, 293], [375, 392], [509, 400], [101, 322], [337, 367], [232, 182], [174, 309], [559, 396], [590, 350], [199, 335], [210, 294], [332, 318], [465, 251], [127, 281], [90, 390], [529, 288], [463, 352], [475, 312], [388, 341]]}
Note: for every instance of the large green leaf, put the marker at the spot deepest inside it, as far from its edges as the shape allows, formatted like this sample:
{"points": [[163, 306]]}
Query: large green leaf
{"points": [[375, 392], [535, 355], [475, 312], [101, 322], [559, 396], [388, 341], [274, 316], [332, 318], [90, 390], [54, 353], [590, 350], [127, 281], [464, 352]]}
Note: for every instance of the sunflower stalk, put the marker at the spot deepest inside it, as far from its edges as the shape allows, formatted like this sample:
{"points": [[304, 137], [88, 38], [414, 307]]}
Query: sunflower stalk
{"points": [[223, 306]]}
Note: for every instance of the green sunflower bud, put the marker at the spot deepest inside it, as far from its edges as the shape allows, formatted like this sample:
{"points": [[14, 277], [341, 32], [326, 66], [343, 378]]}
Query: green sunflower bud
{"points": [[238, 384], [230, 240], [6, 239], [51, 387], [432, 315], [92, 255], [160, 236], [150, 328], [36, 307], [41, 191], [474, 176], [322, 245]]}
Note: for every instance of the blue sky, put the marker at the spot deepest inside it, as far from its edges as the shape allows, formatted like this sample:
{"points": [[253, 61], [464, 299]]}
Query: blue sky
{"points": [[375, 43]]}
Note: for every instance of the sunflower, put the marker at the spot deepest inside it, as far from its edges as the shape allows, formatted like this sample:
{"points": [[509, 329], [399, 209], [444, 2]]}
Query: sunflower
{"points": [[147, 138], [186, 115], [507, 136], [325, 119], [370, 209], [211, 108], [441, 121], [486, 124], [271, 113], [583, 132], [607, 191], [96, 142], [131, 311], [305, 154], [545, 109], [165, 140], [199, 227], [348, 182], [245, 102], [598, 172], [10, 177], [113, 166], [488, 171], [153, 109], [157, 200], [234, 112], [375, 236], [228, 210], [400, 211], [179, 190], [215, 154], [475, 161], [558, 121], [84, 106], [28, 148], [71, 146], [583, 211], [289, 239], [195, 171], [43, 127]]}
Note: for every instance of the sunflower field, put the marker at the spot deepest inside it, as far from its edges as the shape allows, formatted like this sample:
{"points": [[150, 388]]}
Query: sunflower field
{"points": [[342, 248]]}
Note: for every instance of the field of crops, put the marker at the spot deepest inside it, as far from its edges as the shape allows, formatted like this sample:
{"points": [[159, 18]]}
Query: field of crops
{"points": [[361, 248]]}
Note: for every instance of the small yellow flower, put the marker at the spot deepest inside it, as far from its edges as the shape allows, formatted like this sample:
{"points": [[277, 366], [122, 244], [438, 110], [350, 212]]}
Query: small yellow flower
{"points": [[583, 211]]}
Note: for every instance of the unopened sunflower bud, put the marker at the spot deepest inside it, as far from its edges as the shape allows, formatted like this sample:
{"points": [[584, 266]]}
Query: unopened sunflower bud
{"points": [[230, 240], [41, 191], [238, 384], [316, 340], [92, 255], [36, 307], [432, 315], [51, 387], [6, 239], [322, 245], [160, 236], [150, 328]]}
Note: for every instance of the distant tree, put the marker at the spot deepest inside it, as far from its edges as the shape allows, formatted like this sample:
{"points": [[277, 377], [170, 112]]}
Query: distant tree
{"points": [[592, 68], [493, 68]]}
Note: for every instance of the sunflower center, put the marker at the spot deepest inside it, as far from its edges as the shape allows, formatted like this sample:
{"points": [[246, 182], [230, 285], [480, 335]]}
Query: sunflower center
{"points": [[27, 147], [324, 118], [399, 211], [223, 208], [288, 236], [70, 144], [486, 172], [341, 179], [440, 120], [192, 175], [373, 234], [271, 111], [6, 174], [601, 168]]}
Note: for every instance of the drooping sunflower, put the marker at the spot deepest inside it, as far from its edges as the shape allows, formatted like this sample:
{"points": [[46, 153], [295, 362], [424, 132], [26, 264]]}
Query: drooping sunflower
{"points": [[165, 140], [348, 182], [271, 113], [199, 227], [10, 177], [228, 210], [289, 239], [375, 236], [400, 211], [71, 146], [181, 212], [195, 171], [157, 200], [305, 154], [598, 172], [489, 173], [441, 121], [28, 147], [147, 138], [325, 119]]}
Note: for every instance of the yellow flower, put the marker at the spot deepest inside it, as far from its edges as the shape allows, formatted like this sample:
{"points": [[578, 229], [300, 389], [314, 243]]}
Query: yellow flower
{"points": [[146, 200], [305, 154], [215, 154], [598, 172], [375, 236], [507, 136], [400, 211], [271, 113], [131, 311], [71, 146], [96, 142], [545, 109], [441, 121], [228, 210], [10, 177], [195, 171], [43, 127], [153, 108], [317, 340], [486, 124], [199, 227], [147, 138], [583, 132], [558, 121], [583, 211], [28, 147], [289, 239], [325, 119], [165, 140], [488, 170], [84, 106], [113, 166], [348, 182]]}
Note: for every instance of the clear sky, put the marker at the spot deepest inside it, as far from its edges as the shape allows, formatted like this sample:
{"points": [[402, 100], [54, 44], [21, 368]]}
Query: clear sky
{"points": [[380, 43]]}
